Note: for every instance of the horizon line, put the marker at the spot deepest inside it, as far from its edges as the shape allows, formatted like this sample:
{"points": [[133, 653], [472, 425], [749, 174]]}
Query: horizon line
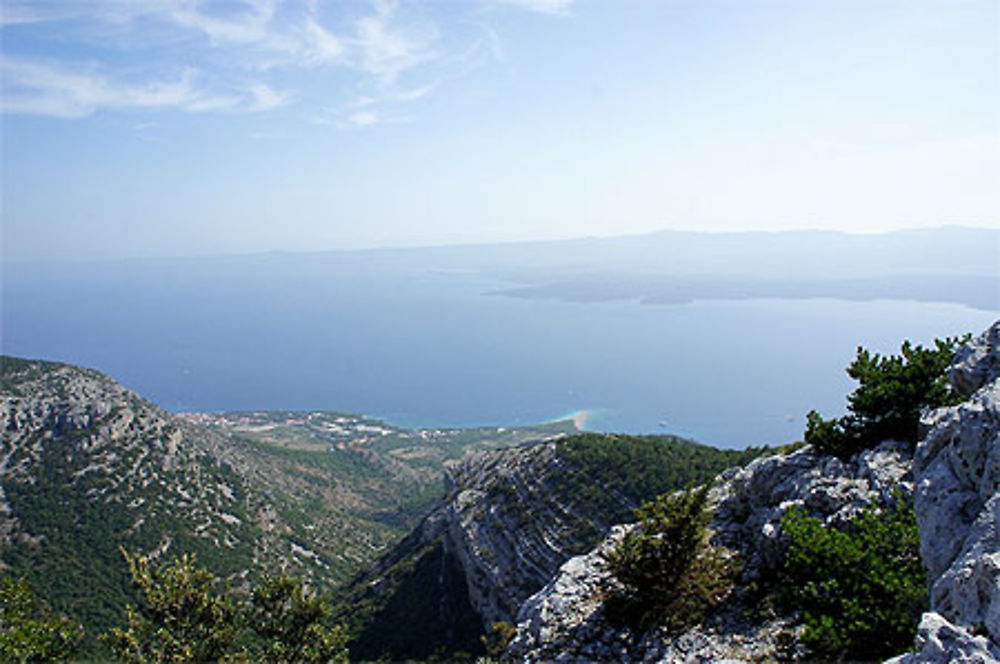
{"points": [[497, 243]]}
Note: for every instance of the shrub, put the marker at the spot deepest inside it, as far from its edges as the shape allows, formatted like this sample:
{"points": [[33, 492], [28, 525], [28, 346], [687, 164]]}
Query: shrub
{"points": [[860, 589], [287, 623], [666, 572], [183, 618], [891, 392], [29, 633], [500, 635]]}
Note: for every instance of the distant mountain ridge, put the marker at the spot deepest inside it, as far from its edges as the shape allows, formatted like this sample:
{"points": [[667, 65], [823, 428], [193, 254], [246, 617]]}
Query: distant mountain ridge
{"points": [[946, 264]]}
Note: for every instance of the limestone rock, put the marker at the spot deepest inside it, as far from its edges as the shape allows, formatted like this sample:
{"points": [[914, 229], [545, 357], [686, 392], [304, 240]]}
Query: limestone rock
{"points": [[564, 621], [957, 501], [751, 501], [941, 642], [977, 363]]}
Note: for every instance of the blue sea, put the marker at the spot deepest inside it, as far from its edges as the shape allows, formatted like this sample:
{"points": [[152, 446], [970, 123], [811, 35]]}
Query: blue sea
{"points": [[432, 349]]}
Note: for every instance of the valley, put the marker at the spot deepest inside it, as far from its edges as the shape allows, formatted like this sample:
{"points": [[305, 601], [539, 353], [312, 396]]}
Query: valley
{"points": [[89, 467]]}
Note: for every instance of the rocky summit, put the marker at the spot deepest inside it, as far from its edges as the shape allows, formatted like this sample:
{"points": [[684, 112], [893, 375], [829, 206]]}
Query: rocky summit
{"points": [[953, 476]]}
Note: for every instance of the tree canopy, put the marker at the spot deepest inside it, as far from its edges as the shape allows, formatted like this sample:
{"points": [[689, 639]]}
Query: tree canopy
{"points": [[892, 391]]}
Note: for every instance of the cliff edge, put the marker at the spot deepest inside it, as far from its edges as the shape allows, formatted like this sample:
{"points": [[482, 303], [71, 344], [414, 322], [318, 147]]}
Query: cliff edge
{"points": [[953, 477]]}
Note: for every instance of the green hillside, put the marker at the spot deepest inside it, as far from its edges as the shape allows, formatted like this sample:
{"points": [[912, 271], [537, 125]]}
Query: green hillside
{"points": [[87, 467]]}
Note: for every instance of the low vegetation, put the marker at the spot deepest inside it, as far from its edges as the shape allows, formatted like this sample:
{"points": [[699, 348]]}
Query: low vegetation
{"points": [[183, 616], [664, 571], [617, 473], [30, 632], [860, 589], [891, 393]]}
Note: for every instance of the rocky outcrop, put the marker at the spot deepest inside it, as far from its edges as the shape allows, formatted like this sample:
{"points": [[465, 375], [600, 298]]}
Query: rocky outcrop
{"points": [[954, 477], [957, 473], [750, 502], [564, 621]]}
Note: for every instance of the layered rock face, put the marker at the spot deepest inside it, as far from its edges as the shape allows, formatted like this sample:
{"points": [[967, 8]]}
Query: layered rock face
{"points": [[509, 520], [957, 473], [506, 526]]}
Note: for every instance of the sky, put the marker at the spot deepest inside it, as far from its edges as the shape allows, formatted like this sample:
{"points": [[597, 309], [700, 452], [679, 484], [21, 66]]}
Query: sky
{"points": [[197, 127]]}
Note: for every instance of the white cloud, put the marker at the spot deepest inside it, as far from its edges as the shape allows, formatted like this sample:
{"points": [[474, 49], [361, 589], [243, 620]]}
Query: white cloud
{"points": [[414, 93], [266, 98], [321, 45], [41, 88], [388, 49], [20, 12], [353, 116], [362, 119], [541, 6], [243, 28]]}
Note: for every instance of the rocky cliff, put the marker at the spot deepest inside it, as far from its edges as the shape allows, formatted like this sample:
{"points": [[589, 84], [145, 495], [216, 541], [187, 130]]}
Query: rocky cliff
{"points": [[957, 473], [509, 520], [954, 477]]}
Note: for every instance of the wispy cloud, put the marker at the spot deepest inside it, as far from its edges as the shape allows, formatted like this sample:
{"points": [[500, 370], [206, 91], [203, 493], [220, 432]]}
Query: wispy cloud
{"points": [[381, 50], [279, 31], [18, 12], [266, 98], [387, 48], [364, 116], [541, 6], [42, 88], [362, 119]]}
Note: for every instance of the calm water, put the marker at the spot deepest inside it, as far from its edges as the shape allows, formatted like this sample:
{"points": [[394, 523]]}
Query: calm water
{"points": [[428, 348]]}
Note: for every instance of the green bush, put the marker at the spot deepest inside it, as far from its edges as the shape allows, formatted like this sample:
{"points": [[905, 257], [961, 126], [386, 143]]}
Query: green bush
{"points": [[30, 633], [666, 572], [860, 590], [183, 618], [891, 392]]}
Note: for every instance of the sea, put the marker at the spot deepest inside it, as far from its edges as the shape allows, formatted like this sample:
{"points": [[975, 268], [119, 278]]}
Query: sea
{"points": [[438, 349]]}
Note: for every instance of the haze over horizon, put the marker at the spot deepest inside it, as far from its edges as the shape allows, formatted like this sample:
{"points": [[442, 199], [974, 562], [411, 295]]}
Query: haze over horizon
{"points": [[206, 127]]}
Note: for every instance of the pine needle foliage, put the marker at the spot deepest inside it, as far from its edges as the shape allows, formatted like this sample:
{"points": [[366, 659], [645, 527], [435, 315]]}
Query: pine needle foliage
{"points": [[860, 590], [289, 625], [664, 571], [182, 618], [892, 391]]}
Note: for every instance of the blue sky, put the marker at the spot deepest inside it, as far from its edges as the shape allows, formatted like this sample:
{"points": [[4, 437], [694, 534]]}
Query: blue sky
{"points": [[180, 127]]}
